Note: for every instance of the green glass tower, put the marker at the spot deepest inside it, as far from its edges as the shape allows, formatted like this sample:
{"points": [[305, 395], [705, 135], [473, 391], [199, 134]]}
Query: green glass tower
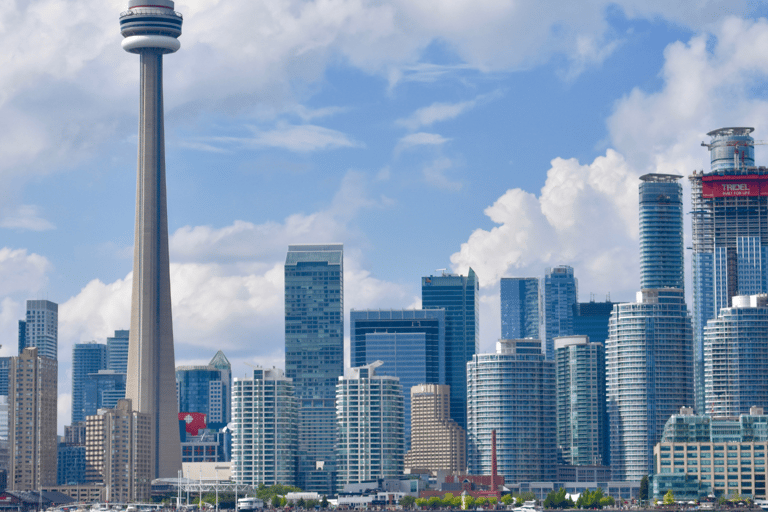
{"points": [[314, 355]]}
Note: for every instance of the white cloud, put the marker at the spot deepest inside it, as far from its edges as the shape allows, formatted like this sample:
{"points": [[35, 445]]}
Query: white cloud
{"points": [[22, 272], [420, 139], [26, 217], [436, 174], [426, 116]]}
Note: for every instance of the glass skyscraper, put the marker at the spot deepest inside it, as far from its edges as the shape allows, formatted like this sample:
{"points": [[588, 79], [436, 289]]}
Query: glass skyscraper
{"points": [[410, 343], [459, 296], [519, 307], [591, 319], [661, 232], [40, 328], [559, 292], [513, 392], [87, 358], [102, 390], [314, 354], [649, 376], [204, 389], [117, 352], [730, 233]]}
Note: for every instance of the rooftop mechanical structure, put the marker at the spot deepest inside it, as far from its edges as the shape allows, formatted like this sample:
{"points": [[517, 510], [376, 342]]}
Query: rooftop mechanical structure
{"points": [[151, 30]]}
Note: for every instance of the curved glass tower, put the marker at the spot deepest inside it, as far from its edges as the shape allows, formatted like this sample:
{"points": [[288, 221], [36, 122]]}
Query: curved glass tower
{"points": [[152, 31], [661, 232]]}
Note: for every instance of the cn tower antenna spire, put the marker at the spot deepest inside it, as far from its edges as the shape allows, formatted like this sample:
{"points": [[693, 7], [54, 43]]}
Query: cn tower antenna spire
{"points": [[151, 29]]}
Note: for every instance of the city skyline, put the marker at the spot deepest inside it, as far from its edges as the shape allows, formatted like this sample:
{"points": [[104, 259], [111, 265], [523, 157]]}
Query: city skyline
{"points": [[403, 137]]}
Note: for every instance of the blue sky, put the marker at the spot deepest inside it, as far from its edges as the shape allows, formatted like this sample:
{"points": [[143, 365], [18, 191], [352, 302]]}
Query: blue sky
{"points": [[506, 135]]}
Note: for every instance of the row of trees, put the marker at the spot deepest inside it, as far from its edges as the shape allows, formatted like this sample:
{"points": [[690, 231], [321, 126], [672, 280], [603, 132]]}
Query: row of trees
{"points": [[587, 500]]}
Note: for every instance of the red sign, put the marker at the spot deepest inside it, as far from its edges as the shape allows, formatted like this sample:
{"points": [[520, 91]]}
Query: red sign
{"points": [[194, 420], [734, 186]]}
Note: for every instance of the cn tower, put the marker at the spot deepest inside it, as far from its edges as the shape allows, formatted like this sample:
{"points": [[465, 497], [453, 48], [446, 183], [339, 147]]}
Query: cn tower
{"points": [[151, 29]]}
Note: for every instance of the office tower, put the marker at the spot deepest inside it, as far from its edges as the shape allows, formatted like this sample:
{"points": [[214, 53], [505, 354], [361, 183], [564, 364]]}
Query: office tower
{"points": [[221, 363], [4, 417], [730, 234], [591, 319], [736, 357], [87, 358], [559, 292], [204, 389], [459, 296], [4, 364], [437, 442], [649, 377], [102, 390], [582, 421], [409, 343], [369, 414], [40, 328], [314, 354], [513, 393], [117, 352], [116, 454], [264, 429], [661, 232], [32, 439], [151, 31], [70, 464], [519, 308]]}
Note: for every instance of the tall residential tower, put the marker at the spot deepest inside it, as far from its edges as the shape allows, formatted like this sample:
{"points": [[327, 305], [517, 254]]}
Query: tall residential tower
{"points": [[314, 354], [661, 232], [519, 307], [151, 30]]}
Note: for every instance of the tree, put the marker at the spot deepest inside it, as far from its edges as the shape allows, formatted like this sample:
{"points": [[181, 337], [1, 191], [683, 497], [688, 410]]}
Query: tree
{"points": [[421, 502], [643, 492], [669, 498], [301, 503], [407, 501], [324, 502], [558, 499], [275, 501], [507, 499]]}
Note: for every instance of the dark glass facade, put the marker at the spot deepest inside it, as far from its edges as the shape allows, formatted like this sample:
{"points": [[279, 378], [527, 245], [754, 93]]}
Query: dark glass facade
{"points": [[117, 352], [559, 292], [410, 343], [87, 358], [661, 232], [519, 308], [102, 390], [591, 319], [459, 297], [314, 354]]}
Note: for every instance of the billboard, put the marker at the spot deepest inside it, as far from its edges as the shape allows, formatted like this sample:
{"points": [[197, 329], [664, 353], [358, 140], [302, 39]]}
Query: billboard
{"points": [[194, 420], [734, 186]]}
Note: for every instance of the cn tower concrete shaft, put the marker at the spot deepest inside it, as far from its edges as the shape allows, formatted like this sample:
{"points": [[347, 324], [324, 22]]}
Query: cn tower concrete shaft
{"points": [[151, 380]]}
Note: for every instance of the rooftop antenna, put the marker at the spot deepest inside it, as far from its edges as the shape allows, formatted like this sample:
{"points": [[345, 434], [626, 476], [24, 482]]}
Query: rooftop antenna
{"points": [[441, 270]]}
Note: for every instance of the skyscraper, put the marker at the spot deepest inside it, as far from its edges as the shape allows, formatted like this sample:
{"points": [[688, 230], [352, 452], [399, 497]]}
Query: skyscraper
{"points": [[736, 357], [730, 233], [314, 354], [582, 421], [649, 376], [117, 351], [102, 390], [519, 307], [661, 232], [369, 415], [151, 31], [87, 358], [559, 292], [459, 296], [32, 420], [205, 390], [512, 392], [409, 342], [591, 319], [41, 328], [264, 431]]}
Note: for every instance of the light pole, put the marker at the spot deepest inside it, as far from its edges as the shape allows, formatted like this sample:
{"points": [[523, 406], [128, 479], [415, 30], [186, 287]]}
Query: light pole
{"points": [[217, 490]]}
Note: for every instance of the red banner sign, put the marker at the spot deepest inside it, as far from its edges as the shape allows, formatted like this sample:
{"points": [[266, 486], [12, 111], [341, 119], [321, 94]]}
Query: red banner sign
{"points": [[734, 186], [194, 420]]}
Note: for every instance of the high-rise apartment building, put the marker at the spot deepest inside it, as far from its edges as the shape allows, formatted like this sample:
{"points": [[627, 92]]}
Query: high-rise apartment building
{"points": [[32, 419], [512, 392], [559, 292], [40, 328], [519, 307], [152, 30], [264, 429], [582, 421], [459, 296], [437, 442], [205, 389], [661, 232], [117, 452], [649, 376], [369, 415], [730, 233], [314, 354], [117, 351], [5, 363], [736, 357], [87, 358], [591, 319], [409, 343]]}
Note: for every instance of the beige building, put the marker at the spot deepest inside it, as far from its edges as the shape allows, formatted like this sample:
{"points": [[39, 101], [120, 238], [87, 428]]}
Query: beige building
{"points": [[118, 452], [437, 442], [32, 438]]}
